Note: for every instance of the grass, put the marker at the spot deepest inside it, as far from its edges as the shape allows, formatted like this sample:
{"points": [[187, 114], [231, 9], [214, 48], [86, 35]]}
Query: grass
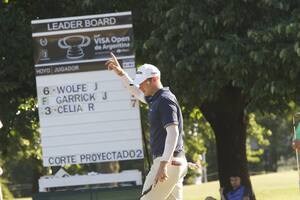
{"points": [[275, 186]]}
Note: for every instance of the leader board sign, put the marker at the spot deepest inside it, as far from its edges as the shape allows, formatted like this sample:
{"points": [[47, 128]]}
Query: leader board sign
{"points": [[86, 114]]}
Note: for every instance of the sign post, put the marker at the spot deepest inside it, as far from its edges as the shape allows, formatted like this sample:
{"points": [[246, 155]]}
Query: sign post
{"points": [[1, 171]]}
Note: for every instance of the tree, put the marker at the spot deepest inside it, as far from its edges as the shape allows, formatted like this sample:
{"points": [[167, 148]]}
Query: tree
{"points": [[227, 58], [281, 140]]}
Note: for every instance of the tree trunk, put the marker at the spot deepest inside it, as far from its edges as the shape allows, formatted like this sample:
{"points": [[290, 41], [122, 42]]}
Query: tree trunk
{"points": [[227, 118], [274, 141]]}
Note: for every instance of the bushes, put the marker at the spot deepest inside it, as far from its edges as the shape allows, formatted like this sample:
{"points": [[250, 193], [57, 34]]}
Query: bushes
{"points": [[7, 195]]}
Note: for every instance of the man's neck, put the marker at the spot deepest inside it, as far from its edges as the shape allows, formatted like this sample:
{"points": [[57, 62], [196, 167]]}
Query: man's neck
{"points": [[156, 89]]}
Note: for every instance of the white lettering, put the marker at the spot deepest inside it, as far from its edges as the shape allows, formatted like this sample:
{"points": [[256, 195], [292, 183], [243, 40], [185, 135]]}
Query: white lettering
{"points": [[55, 26], [100, 22]]}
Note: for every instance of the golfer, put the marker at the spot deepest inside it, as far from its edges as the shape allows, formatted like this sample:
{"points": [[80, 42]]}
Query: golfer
{"points": [[165, 178]]}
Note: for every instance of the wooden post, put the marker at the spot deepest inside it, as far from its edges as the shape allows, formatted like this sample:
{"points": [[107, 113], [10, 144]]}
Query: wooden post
{"points": [[296, 147], [1, 197]]}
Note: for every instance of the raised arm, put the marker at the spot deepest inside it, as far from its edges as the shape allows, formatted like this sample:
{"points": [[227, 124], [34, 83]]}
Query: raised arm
{"points": [[114, 65]]}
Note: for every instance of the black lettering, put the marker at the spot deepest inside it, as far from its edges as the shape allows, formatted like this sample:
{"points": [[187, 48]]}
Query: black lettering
{"points": [[133, 102], [62, 160], [99, 156], [132, 153], [103, 156], [72, 88], [114, 155], [44, 100], [125, 154], [88, 157], [71, 98], [104, 95], [69, 108], [82, 157], [96, 86], [91, 107], [119, 156], [94, 157], [108, 155], [92, 97], [60, 89], [73, 159], [139, 153], [50, 160], [48, 110]]}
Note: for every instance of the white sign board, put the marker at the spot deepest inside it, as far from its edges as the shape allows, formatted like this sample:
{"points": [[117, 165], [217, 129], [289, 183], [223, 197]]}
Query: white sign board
{"points": [[86, 114]]}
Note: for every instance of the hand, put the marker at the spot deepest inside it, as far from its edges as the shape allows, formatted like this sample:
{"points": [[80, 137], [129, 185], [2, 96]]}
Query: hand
{"points": [[162, 174], [114, 65]]}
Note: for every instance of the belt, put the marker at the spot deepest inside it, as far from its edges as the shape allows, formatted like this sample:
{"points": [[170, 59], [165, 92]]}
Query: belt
{"points": [[176, 154]]}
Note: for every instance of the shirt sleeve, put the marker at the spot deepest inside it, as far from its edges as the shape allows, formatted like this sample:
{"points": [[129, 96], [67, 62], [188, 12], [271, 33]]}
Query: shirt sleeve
{"points": [[170, 143], [168, 112], [134, 90]]}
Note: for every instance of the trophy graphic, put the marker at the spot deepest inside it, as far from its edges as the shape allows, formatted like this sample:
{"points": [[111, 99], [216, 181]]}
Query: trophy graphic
{"points": [[74, 44], [44, 51]]}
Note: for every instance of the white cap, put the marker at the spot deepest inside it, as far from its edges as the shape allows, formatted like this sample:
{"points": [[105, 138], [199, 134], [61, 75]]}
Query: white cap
{"points": [[144, 72]]}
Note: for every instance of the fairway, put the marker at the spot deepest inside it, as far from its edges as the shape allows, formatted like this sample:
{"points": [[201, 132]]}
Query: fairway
{"points": [[275, 186]]}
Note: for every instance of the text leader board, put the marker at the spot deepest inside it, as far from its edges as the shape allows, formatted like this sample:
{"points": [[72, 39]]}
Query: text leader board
{"points": [[86, 114]]}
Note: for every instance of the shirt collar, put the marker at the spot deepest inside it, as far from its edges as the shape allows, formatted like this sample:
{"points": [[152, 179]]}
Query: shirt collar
{"points": [[150, 99]]}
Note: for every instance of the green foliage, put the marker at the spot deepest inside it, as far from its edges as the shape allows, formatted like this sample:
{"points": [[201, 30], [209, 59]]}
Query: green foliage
{"points": [[22, 155], [215, 52], [207, 45], [7, 195], [257, 139], [197, 130], [199, 138], [280, 140]]}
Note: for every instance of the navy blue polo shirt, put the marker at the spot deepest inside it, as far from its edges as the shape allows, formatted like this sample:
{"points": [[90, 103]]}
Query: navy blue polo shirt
{"points": [[164, 110]]}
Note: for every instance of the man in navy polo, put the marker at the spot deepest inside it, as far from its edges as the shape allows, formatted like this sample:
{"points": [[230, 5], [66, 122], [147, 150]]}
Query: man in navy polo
{"points": [[165, 179]]}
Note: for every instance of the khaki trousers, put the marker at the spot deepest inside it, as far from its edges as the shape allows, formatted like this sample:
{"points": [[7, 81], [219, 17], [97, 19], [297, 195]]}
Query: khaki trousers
{"points": [[172, 188]]}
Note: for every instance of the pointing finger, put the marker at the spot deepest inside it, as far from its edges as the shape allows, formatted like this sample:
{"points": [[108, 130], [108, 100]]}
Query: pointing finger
{"points": [[114, 58]]}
